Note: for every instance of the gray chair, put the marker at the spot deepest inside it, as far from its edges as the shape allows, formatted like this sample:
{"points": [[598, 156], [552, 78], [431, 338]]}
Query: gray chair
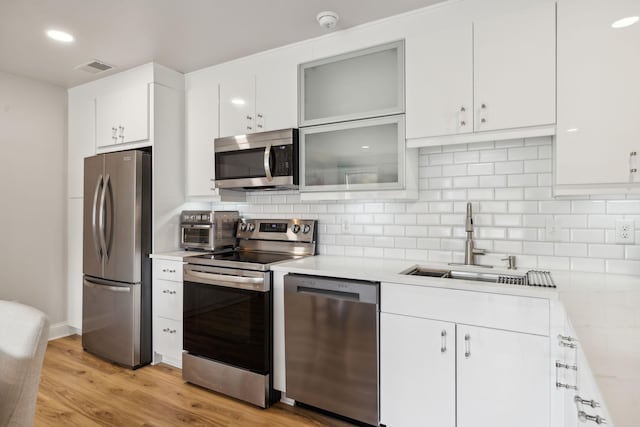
{"points": [[24, 332]]}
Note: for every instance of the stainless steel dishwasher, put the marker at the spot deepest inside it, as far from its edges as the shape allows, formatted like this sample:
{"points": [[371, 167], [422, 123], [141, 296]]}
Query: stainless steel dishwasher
{"points": [[331, 344]]}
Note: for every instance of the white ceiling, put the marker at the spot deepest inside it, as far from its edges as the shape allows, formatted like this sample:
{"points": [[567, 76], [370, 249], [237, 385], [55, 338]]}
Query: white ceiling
{"points": [[185, 35]]}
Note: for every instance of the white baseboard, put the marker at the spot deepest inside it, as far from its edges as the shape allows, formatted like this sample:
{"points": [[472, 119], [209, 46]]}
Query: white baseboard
{"points": [[62, 329]]}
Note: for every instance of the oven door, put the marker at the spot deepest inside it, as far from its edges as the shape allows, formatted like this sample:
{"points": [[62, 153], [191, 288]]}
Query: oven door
{"points": [[227, 316]]}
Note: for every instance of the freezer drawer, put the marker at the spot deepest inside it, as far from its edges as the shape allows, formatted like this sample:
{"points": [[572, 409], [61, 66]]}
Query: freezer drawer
{"points": [[111, 321]]}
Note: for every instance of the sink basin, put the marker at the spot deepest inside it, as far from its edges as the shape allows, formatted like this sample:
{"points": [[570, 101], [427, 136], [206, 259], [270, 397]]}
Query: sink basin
{"points": [[467, 275]]}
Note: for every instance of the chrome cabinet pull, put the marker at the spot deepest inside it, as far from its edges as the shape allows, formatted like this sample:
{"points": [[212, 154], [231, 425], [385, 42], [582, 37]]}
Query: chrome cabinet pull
{"points": [[584, 417], [167, 270], [171, 331], [166, 291], [443, 344], [467, 346], [566, 366], [592, 402], [463, 121], [567, 386]]}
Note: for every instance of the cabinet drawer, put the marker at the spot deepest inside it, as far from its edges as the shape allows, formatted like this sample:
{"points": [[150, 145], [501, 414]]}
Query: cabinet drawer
{"points": [[508, 312], [167, 338], [167, 299], [167, 270]]}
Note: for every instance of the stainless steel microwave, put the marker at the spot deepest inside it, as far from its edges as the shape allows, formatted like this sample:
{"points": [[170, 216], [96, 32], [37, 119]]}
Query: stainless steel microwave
{"points": [[264, 160]]}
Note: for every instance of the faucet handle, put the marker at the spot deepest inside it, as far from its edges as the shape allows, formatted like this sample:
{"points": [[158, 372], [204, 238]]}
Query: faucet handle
{"points": [[479, 251], [511, 259]]}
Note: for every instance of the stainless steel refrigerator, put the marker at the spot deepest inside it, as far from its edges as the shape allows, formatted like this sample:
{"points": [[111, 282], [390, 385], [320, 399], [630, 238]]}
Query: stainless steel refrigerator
{"points": [[116, 294]]}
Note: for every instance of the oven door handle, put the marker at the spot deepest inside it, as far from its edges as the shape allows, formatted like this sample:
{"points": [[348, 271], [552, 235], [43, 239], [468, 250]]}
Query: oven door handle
{"points": [[267, 163], [249, 283]]}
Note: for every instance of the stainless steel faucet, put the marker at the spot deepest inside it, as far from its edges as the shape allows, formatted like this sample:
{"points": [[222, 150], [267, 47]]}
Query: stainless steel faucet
{"points": [[469, 251]]}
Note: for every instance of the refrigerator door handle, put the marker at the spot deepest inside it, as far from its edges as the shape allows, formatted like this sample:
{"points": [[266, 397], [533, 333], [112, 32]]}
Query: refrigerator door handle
{"points": [[109, 217], [94, 226], [102, 219]]}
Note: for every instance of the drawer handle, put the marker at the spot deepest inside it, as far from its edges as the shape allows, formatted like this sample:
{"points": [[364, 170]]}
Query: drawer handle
{"points": [[566, 366], [171, 331], [167, 270], [443, 344], [584, 417], [467, 346], [166, 291], [582, 401], [567, 386]]}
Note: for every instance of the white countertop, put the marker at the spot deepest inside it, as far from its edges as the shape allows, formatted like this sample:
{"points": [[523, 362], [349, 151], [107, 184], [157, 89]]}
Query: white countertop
{"points": [[384, 270], [604, 310], [177, 255]]}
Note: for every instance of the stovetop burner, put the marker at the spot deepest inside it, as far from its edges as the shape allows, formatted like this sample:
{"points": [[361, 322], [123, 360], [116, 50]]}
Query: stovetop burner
{"points": [[246, 256], [265, 242]]}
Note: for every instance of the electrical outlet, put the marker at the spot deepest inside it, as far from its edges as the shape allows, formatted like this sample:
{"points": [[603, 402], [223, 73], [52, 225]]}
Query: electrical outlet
{"points": [[625, 231]]}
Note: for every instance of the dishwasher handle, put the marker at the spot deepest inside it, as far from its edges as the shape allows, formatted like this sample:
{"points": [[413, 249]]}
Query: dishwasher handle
{"points": [[344, 296], [337, 289]]}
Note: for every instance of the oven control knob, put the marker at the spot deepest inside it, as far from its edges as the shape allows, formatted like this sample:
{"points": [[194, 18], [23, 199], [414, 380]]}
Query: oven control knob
{"points": [[252, 227], [306, 228], [243, 226], [295, 228]]}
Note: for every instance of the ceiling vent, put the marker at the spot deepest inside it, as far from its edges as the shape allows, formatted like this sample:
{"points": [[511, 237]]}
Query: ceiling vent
{"points": [[94, 67]]}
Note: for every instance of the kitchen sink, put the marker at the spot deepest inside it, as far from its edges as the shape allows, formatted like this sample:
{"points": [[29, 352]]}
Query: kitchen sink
{"points": [[510, 279]]}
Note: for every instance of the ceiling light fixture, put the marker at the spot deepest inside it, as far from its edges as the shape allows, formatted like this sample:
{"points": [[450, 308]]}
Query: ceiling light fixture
{"points": [[625, 22], [364, 147], [327, 19], [60, 36], [238, 101]]}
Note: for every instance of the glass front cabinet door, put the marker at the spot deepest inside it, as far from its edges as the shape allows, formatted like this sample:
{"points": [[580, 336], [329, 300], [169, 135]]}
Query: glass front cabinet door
{"points": [[362, 155], [355, 85]]}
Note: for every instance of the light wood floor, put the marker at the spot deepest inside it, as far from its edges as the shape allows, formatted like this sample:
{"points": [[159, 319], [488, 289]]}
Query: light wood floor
{"points": [[79, 389]]}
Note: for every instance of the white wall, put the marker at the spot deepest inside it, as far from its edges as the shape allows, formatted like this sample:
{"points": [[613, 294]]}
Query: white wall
{"points": [[510, 185], [33, 139]]}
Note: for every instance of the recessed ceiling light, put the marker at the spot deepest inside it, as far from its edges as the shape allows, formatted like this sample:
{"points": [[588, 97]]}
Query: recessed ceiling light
{"points": [[572, 130], [365, 147], [237, 101], [625, 22], [60, 36]]}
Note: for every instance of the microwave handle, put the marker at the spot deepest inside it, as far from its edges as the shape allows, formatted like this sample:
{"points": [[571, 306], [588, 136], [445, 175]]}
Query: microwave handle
{"points": [[267, 165]]}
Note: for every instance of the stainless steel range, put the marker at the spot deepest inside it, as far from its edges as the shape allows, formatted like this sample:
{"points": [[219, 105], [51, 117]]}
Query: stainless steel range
{"points": [[228, 322]]}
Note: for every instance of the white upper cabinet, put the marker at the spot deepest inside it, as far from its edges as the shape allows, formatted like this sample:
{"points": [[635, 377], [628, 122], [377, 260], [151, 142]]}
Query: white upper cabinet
{"points": [[439, 70], [123, 116], [514, 64], [259, 93], [355, 85], [482, 70], [201, 107], [598, 97], [237, 105]]}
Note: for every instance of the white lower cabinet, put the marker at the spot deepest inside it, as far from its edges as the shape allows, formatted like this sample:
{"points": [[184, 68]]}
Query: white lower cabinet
{"points": [[438, 372], [502, 378], [418, 371], [167, 312]]}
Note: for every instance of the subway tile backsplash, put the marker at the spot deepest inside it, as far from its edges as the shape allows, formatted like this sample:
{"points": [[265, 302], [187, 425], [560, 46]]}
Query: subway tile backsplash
{"points": [[510, 186]]}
